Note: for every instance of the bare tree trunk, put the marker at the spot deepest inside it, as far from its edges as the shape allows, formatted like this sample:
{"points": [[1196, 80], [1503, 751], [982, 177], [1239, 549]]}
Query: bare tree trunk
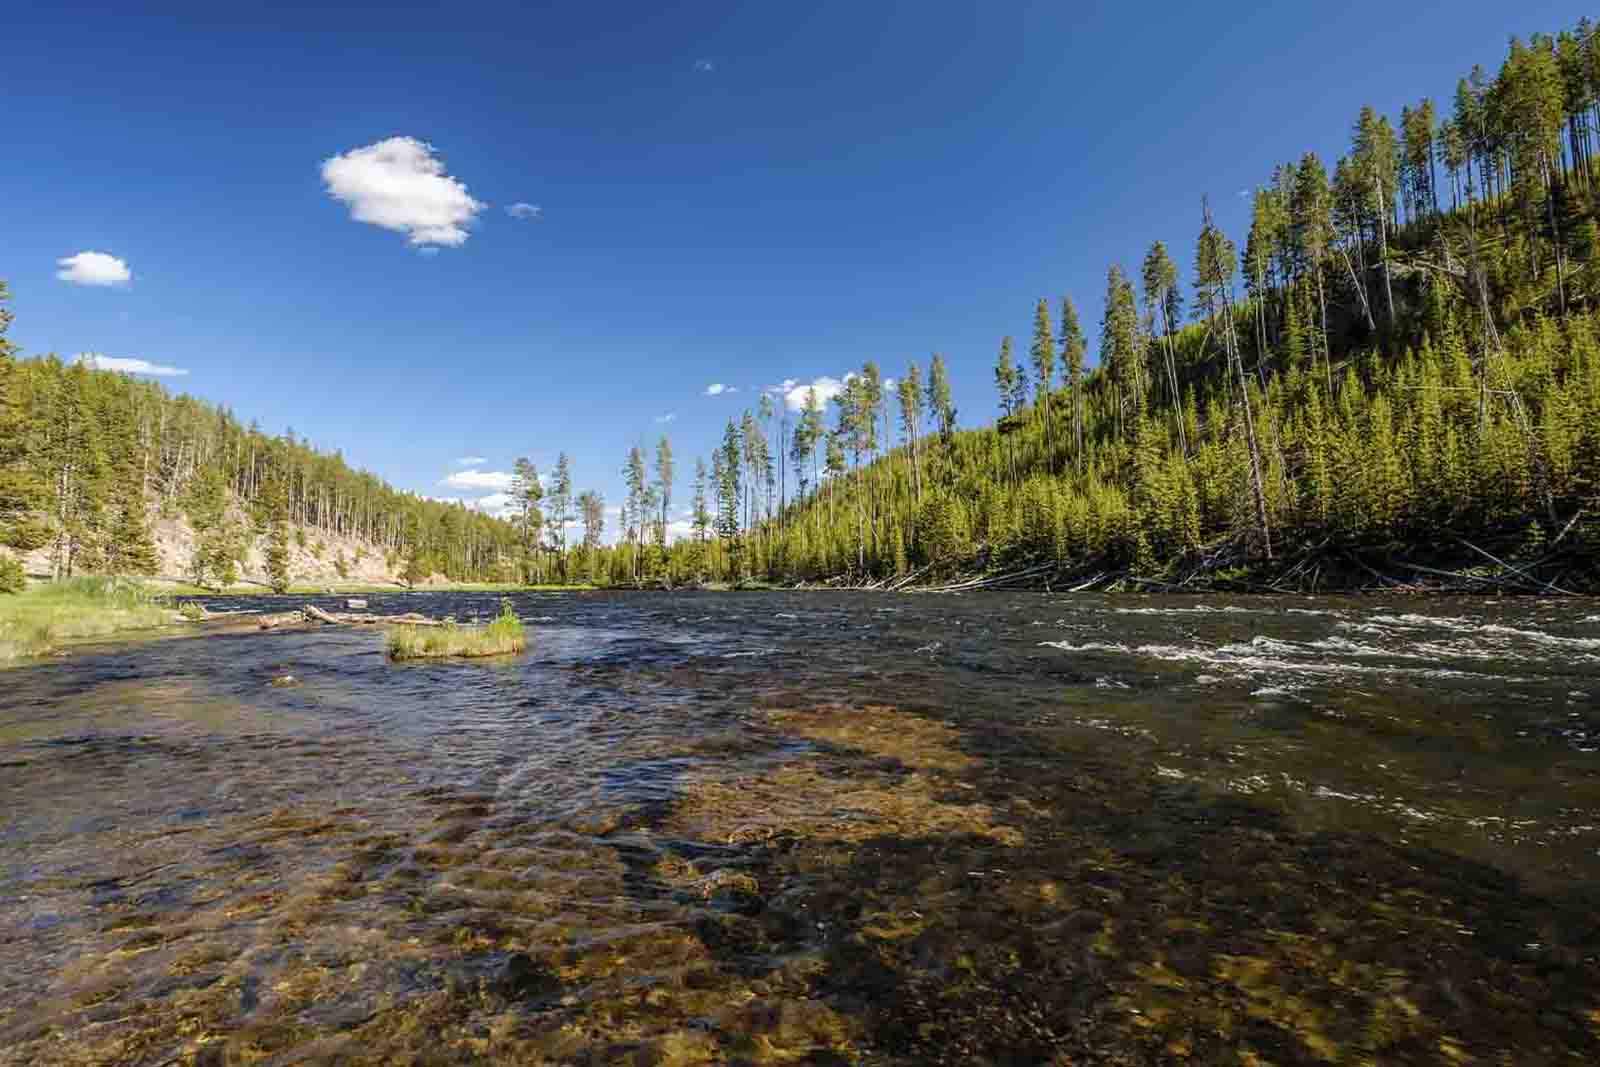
{"points": [[1361, 291], [1231, 344], [1383, 249], [1555, 236]]}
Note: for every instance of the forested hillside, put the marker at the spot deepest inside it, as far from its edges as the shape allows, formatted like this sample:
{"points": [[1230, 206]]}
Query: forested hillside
{"points": [[1396, 370], [92, 462], [1401, 365]]}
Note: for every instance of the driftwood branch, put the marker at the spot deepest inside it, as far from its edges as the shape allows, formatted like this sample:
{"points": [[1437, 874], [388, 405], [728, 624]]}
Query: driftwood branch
{"points": [[312, 613]]}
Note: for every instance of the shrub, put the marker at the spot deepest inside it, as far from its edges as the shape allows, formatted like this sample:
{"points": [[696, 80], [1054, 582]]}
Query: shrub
{"points": [[12, 580], [503, 636]]}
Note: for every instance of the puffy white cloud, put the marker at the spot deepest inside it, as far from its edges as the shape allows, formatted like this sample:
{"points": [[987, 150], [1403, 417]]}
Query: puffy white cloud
{"points": [[400, 185], [94, 268], [130, 366], [668, 417], [470, 461], [524, 210], [704, 66], [718, 389], [472, 478], [794, 397]]}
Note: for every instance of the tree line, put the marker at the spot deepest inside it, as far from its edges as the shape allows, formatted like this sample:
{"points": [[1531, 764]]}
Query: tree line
{"points": [[89, 459], [1402, 357]]}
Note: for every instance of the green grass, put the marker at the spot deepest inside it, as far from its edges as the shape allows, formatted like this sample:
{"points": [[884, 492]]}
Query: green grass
{"points": [[502, 637], [34, 621]]}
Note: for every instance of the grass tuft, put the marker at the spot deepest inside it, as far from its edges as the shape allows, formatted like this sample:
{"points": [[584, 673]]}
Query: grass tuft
{"points": [[502, 637], [33, 621]]}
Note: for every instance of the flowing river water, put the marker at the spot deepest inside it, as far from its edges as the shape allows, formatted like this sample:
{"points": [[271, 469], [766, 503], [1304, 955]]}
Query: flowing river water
{"points": [[822, 828]]}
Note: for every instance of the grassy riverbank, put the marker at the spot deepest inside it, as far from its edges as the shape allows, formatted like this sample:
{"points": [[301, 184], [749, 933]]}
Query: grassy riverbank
{"points": [[33, 621]]}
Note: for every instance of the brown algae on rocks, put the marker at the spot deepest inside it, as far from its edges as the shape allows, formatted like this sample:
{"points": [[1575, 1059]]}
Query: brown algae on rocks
{"points": [[859, 886]]}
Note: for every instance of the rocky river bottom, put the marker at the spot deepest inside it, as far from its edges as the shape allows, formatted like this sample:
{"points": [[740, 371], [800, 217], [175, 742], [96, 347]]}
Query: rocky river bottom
{"points": [[815, 828]]}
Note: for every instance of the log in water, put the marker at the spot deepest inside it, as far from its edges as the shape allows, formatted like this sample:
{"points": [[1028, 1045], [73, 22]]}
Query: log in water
{"points": [[818, 827]]}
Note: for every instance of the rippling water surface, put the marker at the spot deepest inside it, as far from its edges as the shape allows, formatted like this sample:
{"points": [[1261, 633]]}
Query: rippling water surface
{"points": [[815, 828]]}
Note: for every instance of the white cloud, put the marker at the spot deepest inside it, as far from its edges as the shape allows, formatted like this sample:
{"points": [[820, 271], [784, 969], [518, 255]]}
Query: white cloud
{"points": [[94, 268], [130, 366], [400, 185], [470, 461], [524, 210], [668, 417], [718, 389], [704, 66], [498, 505], [472, 478], [794, 398]]}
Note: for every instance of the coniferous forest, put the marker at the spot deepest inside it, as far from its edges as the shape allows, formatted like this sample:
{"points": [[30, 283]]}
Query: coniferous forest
{"points": [[1394, 374]]}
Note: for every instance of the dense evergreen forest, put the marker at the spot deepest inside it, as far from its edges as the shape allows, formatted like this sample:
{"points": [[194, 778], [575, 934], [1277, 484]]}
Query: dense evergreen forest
{"points": [[1400, 368], [90, 458], [1399, 371]]}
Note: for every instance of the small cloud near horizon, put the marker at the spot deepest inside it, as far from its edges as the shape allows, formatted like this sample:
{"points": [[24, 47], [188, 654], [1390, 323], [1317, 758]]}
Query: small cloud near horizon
{"points": [[399, 184], [717, 389], [129, 366], [524, 210], [470, 461], [94, 268], [668, 417], [472, 478]]}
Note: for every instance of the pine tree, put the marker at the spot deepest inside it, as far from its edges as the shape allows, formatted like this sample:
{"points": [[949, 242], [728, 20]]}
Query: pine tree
{"points": [[1163, 299], [1042, 353], [132, 550], [702, 513], [665, 472], [941, 410], [21, 492], [1073, 348], [527, 491], [560, 507], [277, 510], [910, 395], [728, 496], [217, 547]]}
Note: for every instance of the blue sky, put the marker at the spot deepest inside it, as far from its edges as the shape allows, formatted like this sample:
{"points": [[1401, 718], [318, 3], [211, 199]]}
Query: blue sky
{"points": [[727, 193]]}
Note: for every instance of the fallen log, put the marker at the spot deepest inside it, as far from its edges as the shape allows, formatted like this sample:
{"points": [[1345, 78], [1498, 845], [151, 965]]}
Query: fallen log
{"points": [[312, 613]]}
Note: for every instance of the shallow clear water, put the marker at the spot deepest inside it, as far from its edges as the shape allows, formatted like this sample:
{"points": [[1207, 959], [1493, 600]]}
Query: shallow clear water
{"points": [[815, 827]]}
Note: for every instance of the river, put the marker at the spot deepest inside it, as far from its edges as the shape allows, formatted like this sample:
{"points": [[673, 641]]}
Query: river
{"points": [[823, 828]]}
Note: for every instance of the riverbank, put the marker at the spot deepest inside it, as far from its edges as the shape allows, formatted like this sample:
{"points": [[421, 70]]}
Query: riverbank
{"points": [[1460, 568], [360, 588], [34, 621]]}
